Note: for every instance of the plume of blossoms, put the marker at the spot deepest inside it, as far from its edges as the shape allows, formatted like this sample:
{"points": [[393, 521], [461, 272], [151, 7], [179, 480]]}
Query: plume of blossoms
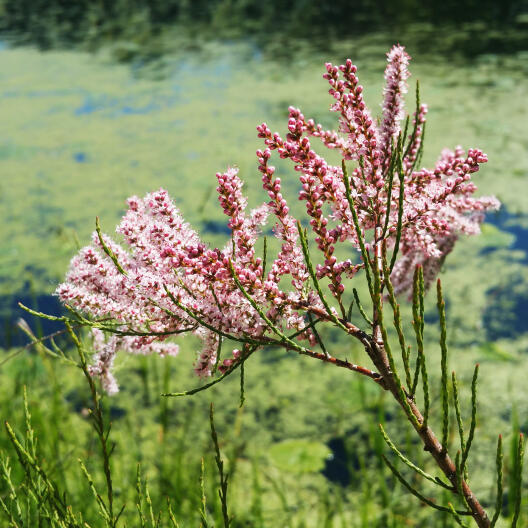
{"points": [[436, 205], [163, 280], [167, 279]]}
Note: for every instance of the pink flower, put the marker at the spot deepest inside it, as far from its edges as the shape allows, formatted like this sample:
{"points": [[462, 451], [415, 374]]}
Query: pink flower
{"points": [[174, 283], [396, 75]]}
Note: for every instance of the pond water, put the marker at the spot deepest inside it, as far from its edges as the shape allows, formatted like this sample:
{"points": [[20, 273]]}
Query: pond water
{"points": [[336, 468], [79, 134], [506, 312], [515, 224], [10, 334]]}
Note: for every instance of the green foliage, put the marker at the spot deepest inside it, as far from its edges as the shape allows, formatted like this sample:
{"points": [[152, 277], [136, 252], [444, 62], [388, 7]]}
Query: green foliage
{"points": [[168, 438], [299, 456], [280, 471], [134, 27]]}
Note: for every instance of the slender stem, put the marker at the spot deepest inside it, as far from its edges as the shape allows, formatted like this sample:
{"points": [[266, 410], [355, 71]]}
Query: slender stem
{"points": [[360, 307], [99, 426], [408, 463], [327, 358], [378, 305], [397, 318], [498, 501], [471, 433], [432, 444], [427, 501], [518, 477], [379, 352], [443, 364], [222, 492], [106, 249], [359, 234]]}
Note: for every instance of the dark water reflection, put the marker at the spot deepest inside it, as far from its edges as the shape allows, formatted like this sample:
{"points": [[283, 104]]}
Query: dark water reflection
{"points": [[216, 228], [506, 313], [336, 467], [513, 224], [10, 334]]}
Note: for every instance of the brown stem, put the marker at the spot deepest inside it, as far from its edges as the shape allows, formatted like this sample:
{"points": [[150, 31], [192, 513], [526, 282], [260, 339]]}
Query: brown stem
{"points": [[376, 328], [431, 443], [377, 354], [429, 439], [376, 376]]}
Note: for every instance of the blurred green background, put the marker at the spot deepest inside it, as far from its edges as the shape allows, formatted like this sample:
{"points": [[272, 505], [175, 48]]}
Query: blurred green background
{"points": [[103, 100]]}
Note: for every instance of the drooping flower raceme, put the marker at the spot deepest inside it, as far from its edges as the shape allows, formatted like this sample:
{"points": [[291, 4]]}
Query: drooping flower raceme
{"points": [[167, 281]]}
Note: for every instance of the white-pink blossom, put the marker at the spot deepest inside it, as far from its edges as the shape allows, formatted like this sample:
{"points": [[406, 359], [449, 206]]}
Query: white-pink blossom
{"points": [[171, 282]]}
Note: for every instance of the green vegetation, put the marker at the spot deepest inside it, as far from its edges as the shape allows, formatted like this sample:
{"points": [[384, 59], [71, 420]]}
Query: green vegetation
{"points": [[146, 29], [79, 134], [275, 481]]}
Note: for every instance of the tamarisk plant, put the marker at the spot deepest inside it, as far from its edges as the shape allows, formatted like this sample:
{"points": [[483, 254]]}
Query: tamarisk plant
{"points": [[396, 222]]}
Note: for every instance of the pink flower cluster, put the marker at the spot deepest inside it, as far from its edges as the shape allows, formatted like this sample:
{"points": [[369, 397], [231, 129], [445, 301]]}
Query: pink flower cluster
{"points": [[166, 267], [173, 283]]}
